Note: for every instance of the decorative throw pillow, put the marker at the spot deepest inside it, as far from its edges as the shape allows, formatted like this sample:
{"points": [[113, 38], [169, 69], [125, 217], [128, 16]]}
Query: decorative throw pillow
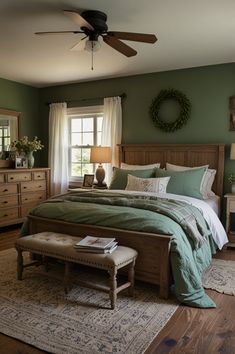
{"points": [[184, 182], [119, 179], [156, 185], [207, 181], [125, 166]]}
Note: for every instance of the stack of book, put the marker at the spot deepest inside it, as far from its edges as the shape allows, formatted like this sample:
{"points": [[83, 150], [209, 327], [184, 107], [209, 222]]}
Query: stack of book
{"points": [[96, 245]]}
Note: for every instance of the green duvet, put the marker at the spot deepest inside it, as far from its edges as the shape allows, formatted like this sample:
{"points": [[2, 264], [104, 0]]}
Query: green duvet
{"points": [[192, 245]]}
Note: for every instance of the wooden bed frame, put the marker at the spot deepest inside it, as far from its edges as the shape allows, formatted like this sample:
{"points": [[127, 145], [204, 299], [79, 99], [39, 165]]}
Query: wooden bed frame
{"points": [[153, 261]]}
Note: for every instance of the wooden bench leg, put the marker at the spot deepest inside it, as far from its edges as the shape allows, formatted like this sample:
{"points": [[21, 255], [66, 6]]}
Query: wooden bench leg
{"points": [[131, 278], [20, 266], [113, 287]]}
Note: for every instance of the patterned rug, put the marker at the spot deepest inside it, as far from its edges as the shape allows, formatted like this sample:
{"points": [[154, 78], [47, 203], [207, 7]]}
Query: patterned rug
{"points": [[220, 276], [36, 311]]}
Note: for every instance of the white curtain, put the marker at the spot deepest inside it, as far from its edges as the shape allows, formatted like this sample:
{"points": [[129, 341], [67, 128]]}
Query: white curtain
{"points": [[112, 130], [58, 147]]}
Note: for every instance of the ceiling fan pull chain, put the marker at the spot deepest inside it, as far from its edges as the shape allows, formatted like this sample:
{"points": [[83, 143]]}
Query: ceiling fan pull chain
{"points": [[92, 56]]}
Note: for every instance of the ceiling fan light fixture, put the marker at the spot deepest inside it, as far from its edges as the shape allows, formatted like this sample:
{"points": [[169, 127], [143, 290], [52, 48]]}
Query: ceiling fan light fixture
{"points": [[92, 46]]}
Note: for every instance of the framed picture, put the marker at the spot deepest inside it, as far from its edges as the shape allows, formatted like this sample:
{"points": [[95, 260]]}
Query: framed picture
{"points": [[88, 180], [21, 162]]}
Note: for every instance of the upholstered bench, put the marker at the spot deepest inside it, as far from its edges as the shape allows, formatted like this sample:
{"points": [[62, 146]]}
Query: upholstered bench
{"points": [[61, 246]]}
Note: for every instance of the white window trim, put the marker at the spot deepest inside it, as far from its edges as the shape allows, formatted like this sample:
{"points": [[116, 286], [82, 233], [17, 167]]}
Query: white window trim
{"points": [[73, 111], [82, 111]]}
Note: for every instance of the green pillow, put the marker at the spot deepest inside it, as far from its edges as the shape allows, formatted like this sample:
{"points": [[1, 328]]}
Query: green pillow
{"points": [[119, 179], [184, 182]]}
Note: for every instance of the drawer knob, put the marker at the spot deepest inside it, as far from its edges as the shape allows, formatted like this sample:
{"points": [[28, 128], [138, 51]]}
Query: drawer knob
{"points": [[25, 187], [38, 176], [5, 202], [5, 215], [25, 198], [11, 177], [5, 190]]}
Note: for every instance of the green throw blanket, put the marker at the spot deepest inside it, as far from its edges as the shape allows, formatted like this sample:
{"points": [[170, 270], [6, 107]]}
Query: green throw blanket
{"points": [[191, 248]]}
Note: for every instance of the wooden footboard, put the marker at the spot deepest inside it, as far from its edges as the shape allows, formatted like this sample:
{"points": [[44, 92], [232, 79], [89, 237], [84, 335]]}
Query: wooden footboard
{"points": [[153, 262]]}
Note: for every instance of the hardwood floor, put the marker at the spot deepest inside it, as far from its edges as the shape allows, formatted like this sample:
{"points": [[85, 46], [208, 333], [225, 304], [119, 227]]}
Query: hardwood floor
{"points": [[189, 331]]}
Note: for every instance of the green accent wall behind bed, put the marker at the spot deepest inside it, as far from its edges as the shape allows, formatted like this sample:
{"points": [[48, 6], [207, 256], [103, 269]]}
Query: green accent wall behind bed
{"points": [[208, 89]]}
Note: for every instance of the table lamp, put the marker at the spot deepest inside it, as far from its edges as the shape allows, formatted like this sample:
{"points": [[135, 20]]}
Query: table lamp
{"points": [[100, 154]]}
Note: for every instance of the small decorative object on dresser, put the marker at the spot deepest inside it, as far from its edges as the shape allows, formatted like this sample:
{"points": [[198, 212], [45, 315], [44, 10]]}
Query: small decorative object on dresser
{"points": [[24, 145], [230, 209], [21, 162]]}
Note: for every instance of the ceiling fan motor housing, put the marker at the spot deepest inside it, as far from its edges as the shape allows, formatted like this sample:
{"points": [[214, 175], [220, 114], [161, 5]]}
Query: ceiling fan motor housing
{"points": [[98, 21]]}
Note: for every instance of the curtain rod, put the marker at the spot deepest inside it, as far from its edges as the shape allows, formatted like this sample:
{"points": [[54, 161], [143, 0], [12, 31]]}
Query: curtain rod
{"points": [[123, 95]]}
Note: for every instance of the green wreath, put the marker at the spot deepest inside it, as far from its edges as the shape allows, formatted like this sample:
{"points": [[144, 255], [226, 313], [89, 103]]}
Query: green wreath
{"points": [[183, 116]]}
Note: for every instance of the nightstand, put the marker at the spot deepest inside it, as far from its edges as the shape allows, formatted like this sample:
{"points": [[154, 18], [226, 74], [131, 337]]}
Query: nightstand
{"points": [[230, 208]]}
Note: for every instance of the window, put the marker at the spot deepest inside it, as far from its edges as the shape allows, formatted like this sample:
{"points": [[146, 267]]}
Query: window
{"points": [[5, 139], [85, 127]]}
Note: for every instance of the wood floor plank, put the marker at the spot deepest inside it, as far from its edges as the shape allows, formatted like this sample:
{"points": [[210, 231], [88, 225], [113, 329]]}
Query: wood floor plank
{"points": [[189, 331]]}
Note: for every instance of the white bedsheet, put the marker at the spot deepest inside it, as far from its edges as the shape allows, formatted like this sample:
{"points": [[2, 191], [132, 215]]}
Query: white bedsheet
{"points": [[215, 225], [214, 203]]}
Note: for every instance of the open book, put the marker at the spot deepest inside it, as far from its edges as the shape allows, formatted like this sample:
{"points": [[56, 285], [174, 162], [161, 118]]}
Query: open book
{"points": [[96, 243]]}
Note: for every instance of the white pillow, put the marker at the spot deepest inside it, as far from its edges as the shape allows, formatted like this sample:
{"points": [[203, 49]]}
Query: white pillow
{"points": [[125, 166], [156, 185], [207, 180]]}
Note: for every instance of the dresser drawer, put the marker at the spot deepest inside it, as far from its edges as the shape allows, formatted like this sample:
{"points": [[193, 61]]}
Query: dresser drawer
{"points": [[8, 214], [39, 175], [8, 189], [18, 177], [33, 197], [1, 177], [8, 200], [33, 186]]}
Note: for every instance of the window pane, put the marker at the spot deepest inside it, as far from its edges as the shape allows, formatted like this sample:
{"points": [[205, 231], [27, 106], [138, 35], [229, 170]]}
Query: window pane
{"points": [[86, 155], [76, 139], [99, 138], [76, 170], [87, 124], [76, 125], [0, 132], [76, 155], [87, 168], [88, 139], [99, 123]]}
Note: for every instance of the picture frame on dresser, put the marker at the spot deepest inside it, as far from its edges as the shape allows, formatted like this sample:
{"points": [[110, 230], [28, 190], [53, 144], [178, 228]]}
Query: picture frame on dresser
{"points": [[21, 162]]}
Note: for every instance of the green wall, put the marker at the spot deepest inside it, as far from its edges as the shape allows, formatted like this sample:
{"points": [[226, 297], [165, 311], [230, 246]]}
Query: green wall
{"points": [[24, 99], [208, 89]]}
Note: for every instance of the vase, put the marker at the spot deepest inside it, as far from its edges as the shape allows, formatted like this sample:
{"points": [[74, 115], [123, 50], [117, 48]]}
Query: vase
{"points": [[30, 159]]}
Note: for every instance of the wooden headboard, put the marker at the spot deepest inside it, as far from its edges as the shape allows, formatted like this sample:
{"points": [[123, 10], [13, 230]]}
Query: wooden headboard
{"points": [[179, 154]]}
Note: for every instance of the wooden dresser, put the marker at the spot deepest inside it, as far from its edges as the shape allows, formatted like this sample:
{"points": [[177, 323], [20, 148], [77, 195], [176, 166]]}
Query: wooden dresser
{"points": [[21, 190]]}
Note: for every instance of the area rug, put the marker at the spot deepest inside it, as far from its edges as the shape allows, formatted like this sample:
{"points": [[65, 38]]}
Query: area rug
{"points": [[36, 311], [220, 276]]}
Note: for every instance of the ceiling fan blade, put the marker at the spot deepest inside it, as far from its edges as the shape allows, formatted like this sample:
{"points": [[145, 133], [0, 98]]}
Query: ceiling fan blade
{"points": [[80, 45], [57, 32], [137, 37], [78, 19], [119, 46]]}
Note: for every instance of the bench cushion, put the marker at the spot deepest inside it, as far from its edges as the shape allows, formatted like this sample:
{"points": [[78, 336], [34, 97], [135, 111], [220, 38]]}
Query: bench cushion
{"points": [[61, 246]]}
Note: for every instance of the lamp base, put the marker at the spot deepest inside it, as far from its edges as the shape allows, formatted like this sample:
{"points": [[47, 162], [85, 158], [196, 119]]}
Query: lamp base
{"points": [[98, 186], [100, 175]]}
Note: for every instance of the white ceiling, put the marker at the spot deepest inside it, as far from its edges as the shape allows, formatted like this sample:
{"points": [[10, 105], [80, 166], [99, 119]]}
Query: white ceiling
{"points": [[190, 33]]}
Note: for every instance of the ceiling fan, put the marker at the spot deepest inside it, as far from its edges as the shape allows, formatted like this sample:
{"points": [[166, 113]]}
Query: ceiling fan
{"points": [[93, 24]]}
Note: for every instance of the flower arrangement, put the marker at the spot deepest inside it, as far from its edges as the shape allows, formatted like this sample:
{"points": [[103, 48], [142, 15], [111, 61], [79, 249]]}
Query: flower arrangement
{"points": [[231, 178], [26, 146]]}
